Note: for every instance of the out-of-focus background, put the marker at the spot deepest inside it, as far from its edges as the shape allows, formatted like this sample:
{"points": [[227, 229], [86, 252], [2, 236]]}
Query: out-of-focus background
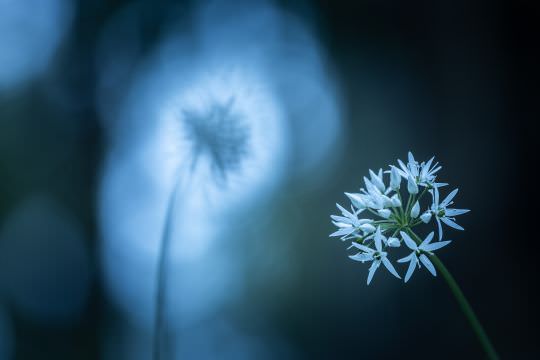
{"points": [[261, 113]]}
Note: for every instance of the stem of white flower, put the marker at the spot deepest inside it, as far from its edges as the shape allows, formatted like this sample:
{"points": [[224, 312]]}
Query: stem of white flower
{"points": [[422, 193], [373, 212], [410, 204], [162, 275], [401, 201], [463, 303]]}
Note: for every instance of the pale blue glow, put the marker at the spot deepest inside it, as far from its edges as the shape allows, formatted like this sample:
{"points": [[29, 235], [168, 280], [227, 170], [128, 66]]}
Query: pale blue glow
{"points": [[230, 110], [30, 32], [153, 154]]}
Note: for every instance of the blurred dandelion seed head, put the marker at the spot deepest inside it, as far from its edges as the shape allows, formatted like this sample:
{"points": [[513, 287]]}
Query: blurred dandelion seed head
{"points": [[218, 133], [220, 128]]}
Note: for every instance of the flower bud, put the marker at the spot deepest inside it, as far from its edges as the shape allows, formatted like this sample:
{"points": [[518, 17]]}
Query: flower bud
{"points": [[395, 178], [425, 217], [393, 242], [364, 221], [384, 213], [371, 189], [377, 181], [411, 185], [415, 211], [356, 200], [375, 201], [367, 228], [387, 202], [395, 201]]}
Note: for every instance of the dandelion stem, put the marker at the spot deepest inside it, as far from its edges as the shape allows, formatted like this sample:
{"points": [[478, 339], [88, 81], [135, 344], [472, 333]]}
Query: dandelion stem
{"points": [[463, 303], [162, 276]]}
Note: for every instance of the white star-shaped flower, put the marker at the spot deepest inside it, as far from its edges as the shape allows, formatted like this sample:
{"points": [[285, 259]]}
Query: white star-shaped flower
{"points": [[387, 215], [422, 173], [349, 224], [377, 256], [419, 253], [374, 196], [443, 213]]}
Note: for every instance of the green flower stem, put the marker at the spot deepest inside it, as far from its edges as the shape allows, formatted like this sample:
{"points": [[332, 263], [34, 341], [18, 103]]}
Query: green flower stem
{"points": [[373, 212], [401, 207], [396, 214], [382, 222], [463, 303], [422, 193], [406, 211], [162, 276], [410, 203]]}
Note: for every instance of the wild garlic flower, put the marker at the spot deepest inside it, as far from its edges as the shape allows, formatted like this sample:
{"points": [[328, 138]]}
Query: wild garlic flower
{"points": [[443, 213], [392, 213], [419, 253], [422, 174], [349, 224], [376, 256]]}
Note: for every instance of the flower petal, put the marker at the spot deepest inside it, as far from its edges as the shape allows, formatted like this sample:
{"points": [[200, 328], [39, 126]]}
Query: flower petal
{"points": [[372, 270], [362, 247], [384, 213], [341, 219], [415, 211], [427, 240], [410, 157], [344, 211], [395, 178], [404, 170], [439, 226], [436, 246], [378, 239], [406, 258], [408, 241], [438, 185], [362, 257], [427, 263], [449, 198], [455, 212], [411, 185], [426, 217], [341, 232], [367, 228], [452, 224], [412, 267], [393, 242], [356, 199], [390, 267], [435, 195], [377, 181]]}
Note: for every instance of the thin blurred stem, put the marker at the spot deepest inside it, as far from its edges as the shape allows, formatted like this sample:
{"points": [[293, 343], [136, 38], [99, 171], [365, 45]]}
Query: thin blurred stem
{"points": [[463, 303], [162, 276]]}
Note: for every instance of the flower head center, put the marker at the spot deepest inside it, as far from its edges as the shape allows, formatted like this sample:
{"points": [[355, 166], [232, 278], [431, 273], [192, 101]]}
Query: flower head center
{"points": [[218, 134]]}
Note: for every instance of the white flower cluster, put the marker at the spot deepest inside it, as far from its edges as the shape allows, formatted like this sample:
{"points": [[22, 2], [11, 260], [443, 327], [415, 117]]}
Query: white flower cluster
{"points": [[393, 219]]}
